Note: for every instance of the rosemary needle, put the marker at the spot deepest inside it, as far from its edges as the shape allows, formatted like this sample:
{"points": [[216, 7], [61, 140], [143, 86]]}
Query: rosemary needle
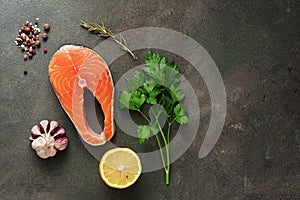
{"points": [[103, 31]]}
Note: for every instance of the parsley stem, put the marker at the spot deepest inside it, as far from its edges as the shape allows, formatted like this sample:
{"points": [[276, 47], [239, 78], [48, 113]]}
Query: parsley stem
{"points": [[168, 177], [167, 149], [161, 153], [148, 120], [172, 121], [168, 135], [162, 133], [157, 139], [168, 157]]}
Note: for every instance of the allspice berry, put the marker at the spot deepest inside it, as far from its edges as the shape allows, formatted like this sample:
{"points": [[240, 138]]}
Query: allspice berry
{"points": [[45, 36], [46, 27]]}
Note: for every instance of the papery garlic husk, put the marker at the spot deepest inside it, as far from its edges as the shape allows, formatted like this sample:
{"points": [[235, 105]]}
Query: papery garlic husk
{"points": [[47, 138]]}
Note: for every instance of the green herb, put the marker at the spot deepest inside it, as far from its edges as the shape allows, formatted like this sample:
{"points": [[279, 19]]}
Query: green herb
{"points": [[103, 31], [158, 83]]}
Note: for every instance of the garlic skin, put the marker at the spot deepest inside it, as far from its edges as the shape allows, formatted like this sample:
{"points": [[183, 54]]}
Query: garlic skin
{"points": [[47, 138]]}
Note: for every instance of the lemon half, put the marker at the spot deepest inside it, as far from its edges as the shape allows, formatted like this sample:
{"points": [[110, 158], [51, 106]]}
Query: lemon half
{"points": [[120, 167]]}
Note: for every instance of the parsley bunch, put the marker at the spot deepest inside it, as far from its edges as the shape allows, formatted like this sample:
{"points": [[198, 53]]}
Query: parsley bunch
{"points": [[158, 83]]}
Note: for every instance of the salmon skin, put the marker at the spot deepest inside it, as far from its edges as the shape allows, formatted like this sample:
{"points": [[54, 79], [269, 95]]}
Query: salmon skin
{"points": [[73, 68]]}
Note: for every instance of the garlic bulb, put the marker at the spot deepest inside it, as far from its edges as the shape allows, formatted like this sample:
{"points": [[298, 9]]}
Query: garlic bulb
{"points": [[47, 137]]}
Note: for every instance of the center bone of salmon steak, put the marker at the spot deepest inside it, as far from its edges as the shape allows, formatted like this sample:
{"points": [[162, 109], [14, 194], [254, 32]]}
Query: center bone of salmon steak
{"points": [[81, 82]]}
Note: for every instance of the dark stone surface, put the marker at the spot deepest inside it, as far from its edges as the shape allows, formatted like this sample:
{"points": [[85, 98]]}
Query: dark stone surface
{"points": [[255, 44]]}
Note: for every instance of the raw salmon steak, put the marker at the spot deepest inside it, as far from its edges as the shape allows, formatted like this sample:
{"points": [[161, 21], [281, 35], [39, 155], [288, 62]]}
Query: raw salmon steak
{"points": [[73, 68]]}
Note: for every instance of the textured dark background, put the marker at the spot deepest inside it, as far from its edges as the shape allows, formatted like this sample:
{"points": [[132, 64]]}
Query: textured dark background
{"points": [[256, 46]]}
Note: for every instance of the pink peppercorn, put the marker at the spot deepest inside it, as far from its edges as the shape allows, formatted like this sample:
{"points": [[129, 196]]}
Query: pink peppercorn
{"points": [[45, 50], [25, 57]]}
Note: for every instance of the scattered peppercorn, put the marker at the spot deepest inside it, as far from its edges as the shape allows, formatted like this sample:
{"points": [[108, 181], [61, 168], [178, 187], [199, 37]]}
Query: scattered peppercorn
{"points": [[46, 27], [25, 72], [44, 36], [27, 29], [38, 43], [30, 55], [25, 57], [45, 50]]}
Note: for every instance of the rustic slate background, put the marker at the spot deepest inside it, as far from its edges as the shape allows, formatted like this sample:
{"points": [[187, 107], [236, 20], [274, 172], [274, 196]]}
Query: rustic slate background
{"points": [[256, 46]]}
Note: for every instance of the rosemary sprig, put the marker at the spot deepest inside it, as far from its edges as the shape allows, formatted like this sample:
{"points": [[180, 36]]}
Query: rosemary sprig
{"points": [[103, 31]]}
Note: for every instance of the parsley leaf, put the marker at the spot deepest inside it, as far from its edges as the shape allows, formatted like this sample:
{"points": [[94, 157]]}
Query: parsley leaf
{"points": [[125, 102], [151, 100], [131, 101], [176, 93], [180, 115], [154, 72], [171, 77], [154, 129], [155, 60], [149, 86], [138, 98], [143, 133], [167, 104], [174, 66], [152, 90], [135, 82]]}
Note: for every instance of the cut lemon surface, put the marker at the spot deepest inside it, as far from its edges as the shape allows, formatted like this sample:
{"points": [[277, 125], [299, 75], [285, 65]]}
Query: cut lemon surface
{"points": [[120, 167]]}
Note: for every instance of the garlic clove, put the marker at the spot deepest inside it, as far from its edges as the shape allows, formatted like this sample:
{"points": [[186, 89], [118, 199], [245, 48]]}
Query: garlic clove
{"points": [[44, 126], [51, 141], [53, 127], [46, 153], [60, 133], [35, 131], [39, 143], [31, 138], [61, 143]]}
